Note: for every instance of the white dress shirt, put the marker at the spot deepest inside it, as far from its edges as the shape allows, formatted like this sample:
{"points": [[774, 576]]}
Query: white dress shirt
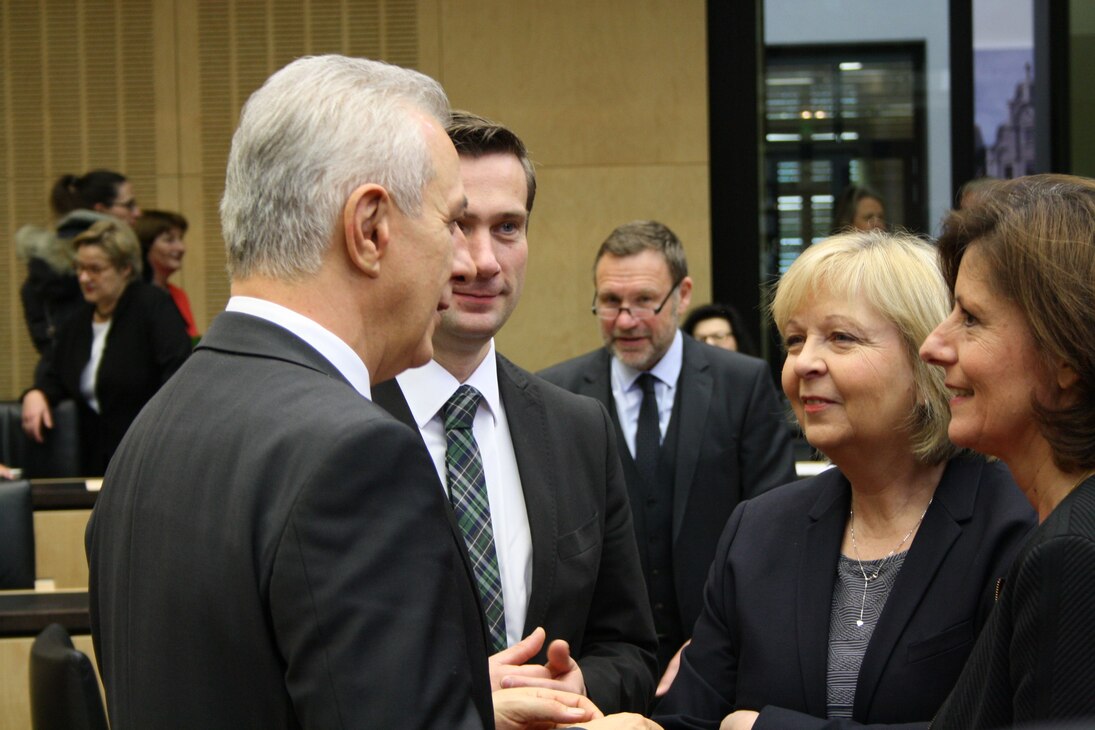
{"points": [[628, 395], [327, 343], [90, 374], [427, 389]]}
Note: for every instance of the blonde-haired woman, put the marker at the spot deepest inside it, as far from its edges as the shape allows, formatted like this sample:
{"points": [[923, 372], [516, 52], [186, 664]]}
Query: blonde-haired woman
{"points": [[114, 354], [856, 595]]}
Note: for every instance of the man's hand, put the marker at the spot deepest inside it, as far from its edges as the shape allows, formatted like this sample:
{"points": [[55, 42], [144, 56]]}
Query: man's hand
{"points": [[508, 668], [739, 720], [671, 670], [537, 708]]}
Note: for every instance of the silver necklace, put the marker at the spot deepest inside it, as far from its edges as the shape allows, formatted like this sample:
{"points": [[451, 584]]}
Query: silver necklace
{"points": [[868, 578]]}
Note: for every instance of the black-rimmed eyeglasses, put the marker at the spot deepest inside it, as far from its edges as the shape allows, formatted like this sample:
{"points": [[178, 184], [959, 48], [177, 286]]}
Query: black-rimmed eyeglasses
{"points": [[609, 312]]}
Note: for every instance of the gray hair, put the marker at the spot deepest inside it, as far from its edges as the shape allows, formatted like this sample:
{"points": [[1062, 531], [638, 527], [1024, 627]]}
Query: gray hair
{"points": [[315, 131]]}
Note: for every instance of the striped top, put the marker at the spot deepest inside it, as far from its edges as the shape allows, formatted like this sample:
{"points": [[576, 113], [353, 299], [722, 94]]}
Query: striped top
{"points": [[847, 641]]}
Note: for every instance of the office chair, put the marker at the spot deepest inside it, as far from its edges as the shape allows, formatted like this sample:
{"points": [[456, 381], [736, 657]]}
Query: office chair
{"points": [[64, 693], [17, 567]]}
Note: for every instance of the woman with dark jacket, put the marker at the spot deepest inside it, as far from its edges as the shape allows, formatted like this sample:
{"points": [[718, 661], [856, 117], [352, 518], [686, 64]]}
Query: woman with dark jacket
{"points": [[114, 353], [1019, 359], [51, 293], [854, 596]]}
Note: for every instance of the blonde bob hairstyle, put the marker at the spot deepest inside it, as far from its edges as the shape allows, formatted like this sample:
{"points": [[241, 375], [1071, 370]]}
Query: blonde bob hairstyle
{"points": [[898, 275], [118, 242]]}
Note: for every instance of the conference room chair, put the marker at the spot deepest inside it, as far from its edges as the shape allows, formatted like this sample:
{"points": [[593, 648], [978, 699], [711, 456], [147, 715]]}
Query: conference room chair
{"points": [[64, 692], [59, 456], [17, 566]]}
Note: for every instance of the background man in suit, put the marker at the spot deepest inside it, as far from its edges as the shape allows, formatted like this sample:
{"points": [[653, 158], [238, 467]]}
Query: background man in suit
{"points": [[558, 510], [269, 549], [709, 434]]}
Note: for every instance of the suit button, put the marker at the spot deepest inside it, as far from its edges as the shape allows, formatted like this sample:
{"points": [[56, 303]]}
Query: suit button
{"points": [[655, 572], [659, 606]]}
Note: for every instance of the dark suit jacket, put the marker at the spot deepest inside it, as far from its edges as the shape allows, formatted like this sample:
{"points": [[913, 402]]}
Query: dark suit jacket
{"points": [[1035, 661], [733, 444], [146, 344], [762, 641], [587, 586], [270, 550]]}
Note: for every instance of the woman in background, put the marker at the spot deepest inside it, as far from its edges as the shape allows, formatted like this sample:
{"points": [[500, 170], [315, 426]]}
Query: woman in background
{"points": [[51, 293], [854, 596], [114, 353], [1018, 351], [720, 325], [860, 209], [161, 235]]}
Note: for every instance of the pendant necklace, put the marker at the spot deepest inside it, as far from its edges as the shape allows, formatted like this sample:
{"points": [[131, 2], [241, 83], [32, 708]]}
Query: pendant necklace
{"points": [[868, 578]]}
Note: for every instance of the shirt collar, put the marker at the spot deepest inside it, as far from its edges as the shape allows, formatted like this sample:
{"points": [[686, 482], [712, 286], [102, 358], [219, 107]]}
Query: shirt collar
{"points": [[667, 370], [325, 342], [428, 387]]}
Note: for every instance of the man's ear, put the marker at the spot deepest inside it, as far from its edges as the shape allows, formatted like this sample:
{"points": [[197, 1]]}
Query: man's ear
{"points": [[366, 220], [685, 288]]}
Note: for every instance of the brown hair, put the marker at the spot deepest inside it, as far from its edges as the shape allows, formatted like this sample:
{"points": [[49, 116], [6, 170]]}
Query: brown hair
{"points": [[1037, 237], [638, 236], [477, 136]]}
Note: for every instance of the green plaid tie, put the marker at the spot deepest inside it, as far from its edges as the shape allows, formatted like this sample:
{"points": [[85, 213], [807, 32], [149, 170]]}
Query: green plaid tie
{"points": [[468, 493]]}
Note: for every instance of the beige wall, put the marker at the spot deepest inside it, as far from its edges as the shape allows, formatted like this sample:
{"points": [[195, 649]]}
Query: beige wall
{"points": [[610, 97]]}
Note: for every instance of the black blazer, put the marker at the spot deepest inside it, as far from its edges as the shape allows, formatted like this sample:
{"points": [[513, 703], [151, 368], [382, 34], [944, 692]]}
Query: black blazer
{"points": [[1035, 660], [733, 444], [763, 639], [587, 586], [146, 344], [270, 550]]}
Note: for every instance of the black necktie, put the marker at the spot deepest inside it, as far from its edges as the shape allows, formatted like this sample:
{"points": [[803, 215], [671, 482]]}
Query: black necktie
{"points": [[648, 435]]}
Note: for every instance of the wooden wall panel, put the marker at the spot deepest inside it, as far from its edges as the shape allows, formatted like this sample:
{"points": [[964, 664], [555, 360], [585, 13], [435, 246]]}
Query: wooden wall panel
{"points": [[77, 94], [610, 96], [576, 209], [151, 88]]}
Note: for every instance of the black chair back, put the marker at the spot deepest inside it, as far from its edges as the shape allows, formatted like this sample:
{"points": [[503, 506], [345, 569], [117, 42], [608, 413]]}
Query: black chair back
{"points": [[59, 456], [64, 693], [17, 567]]}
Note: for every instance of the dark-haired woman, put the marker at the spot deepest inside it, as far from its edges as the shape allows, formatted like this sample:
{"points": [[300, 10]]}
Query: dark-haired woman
{"points": [[161, 233], [1018, 353], [51, 293]]}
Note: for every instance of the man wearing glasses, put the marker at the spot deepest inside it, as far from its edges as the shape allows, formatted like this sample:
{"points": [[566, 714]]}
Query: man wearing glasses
{"points": [[702, 426]]}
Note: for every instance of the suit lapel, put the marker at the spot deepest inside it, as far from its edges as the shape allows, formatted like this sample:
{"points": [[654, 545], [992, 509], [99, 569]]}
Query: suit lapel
{"points": [[596, 382], [539, 468], [953, 502], [695, 386], [389, 396], [817, 572]]}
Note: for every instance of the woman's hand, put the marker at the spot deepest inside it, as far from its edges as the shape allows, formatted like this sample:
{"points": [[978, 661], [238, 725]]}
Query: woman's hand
{"points": [[739, 720], [36, 415]]}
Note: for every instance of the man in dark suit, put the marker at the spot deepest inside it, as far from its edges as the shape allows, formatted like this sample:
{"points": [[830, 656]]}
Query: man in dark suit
{"points": [[702, 425], [558, 509], [269, 550]]}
